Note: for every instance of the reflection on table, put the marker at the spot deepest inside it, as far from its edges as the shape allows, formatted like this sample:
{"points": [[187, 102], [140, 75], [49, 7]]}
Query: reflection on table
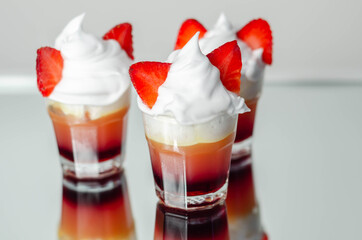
{"points": [[96, 209], [100, 209], [172, 224], [242, 209]]}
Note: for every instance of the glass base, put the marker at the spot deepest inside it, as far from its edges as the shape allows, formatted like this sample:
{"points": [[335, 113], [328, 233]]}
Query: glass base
{"points": [[241, 149], [192, 203], [91, 170]]}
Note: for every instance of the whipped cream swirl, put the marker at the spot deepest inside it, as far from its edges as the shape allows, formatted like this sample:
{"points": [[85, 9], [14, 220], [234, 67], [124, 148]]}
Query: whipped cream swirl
{"points": [[95, 70], [193, 92], [222, 32]]}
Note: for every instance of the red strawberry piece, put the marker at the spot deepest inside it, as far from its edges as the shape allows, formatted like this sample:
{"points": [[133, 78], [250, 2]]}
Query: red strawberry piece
{"points": [[257, 34], [122, 33], [188, 29], [265, 237], [227, 59], [49, 67], [147, 77]]}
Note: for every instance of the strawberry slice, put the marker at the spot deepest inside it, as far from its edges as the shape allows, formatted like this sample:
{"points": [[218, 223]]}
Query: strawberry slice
{"points": [[188, 29], [49, 67], [147, 77], [257, 34], [265, 237], [227, 59], [122, 33]]}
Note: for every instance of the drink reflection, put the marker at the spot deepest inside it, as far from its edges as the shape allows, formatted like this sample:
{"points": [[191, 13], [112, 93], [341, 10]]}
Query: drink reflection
{"points": [[204, 224], [96, 209], [243, 214]]}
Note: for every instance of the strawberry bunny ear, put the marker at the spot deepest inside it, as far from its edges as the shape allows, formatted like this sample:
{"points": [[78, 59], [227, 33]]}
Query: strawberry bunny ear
{"points": [[49, 69], [122, 33], [147, 77], [257, 34], [227, 59], [187, 30]]}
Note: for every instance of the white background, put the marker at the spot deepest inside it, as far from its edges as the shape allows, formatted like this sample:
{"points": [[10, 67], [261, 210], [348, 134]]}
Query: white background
{"points": [[313, 38]]}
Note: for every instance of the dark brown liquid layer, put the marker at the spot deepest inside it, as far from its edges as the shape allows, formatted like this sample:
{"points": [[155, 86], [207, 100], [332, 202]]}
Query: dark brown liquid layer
{"points": [[102, 155]]}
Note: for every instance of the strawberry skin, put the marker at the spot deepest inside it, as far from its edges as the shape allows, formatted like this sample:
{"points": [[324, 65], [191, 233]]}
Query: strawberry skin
{"points": [[227, 59], [147, 77], [188, 29], [122, 33], [265, 237], [49, 67], [257, 34]]}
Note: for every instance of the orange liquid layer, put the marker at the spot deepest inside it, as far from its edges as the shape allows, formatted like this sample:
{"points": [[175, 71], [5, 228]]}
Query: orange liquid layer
{"points": [[246, 122], [101, 137], [203, 166]]}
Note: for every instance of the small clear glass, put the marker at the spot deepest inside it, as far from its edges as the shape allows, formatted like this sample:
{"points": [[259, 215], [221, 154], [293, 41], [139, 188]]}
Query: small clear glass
{"points": [[190, 163], [91, 139]]}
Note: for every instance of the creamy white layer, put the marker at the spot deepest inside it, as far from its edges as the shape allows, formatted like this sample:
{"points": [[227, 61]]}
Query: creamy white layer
{"points": [[90, 112], [168, 131]]}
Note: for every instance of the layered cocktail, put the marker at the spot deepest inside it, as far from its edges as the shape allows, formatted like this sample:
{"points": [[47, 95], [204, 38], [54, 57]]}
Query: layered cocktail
{"points": [[255, 41], [190, 109], [90, 146], [190, 163], [86, 85]]}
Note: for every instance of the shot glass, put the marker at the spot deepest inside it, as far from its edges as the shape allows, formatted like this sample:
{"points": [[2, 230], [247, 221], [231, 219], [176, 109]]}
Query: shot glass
{"points": [[96, 209], [250, 90], [90, 138], [190, 163]]}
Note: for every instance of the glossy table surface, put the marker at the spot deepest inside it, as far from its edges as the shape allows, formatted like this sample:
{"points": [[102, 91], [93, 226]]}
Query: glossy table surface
{"points": [[307, 162]]}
